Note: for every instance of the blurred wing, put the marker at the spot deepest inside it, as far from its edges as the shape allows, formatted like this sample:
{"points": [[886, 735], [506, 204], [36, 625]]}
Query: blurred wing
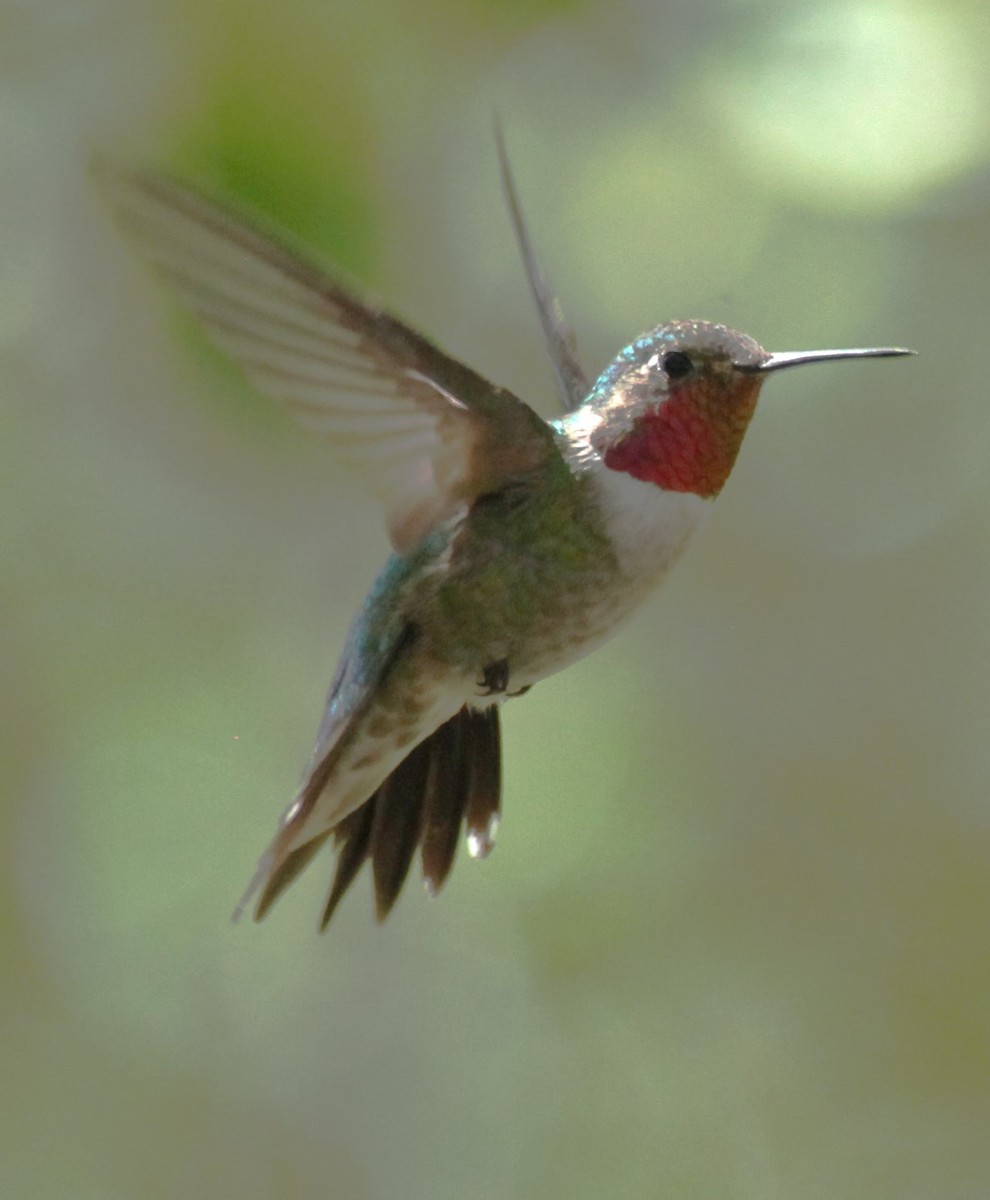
{"points": [[426, 432], [572, 383]]}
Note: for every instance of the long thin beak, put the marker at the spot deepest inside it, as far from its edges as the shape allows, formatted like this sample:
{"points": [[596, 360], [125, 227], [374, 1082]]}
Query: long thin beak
{"points": [[797, 358]]}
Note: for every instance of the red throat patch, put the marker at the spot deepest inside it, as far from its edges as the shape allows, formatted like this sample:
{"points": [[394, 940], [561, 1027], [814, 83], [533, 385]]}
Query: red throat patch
{"points": [[690, 441]]}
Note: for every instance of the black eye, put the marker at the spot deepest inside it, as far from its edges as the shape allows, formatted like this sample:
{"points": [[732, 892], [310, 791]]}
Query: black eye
{"points": [[677, 364]]}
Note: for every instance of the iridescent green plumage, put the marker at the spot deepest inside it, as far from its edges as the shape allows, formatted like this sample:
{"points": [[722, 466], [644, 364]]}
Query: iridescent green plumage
{"points": [[520, 545]]}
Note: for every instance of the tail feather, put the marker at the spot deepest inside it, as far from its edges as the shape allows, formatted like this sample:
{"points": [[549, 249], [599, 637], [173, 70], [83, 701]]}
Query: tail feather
{"points": [[285, 873], [395, 829], [352, 837], [451, 778], [484, 790], [444, 801]]}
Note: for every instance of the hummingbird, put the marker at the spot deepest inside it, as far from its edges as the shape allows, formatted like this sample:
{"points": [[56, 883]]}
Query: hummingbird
{"points": [[519, 544]]}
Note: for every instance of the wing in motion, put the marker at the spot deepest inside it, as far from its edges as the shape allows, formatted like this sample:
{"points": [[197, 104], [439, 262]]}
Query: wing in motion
{"points": [[572, 383], [427, 433], [430, 436]]}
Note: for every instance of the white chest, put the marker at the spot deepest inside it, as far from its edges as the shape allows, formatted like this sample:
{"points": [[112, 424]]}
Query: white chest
{"points": [[648, 526]]}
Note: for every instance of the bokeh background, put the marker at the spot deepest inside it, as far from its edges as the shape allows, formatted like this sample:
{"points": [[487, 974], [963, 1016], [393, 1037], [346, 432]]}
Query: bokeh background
{"points": [[734, 940]]}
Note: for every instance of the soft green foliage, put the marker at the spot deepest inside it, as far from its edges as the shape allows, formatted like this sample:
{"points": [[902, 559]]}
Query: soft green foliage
{"points": [[732, 942]]}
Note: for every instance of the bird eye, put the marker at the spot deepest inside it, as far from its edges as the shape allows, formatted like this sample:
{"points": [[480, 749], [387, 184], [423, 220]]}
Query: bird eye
{"points": [[677, 364]]}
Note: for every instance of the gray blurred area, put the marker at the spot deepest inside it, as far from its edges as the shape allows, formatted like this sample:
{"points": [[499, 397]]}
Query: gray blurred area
{"points": [[733, 942]]}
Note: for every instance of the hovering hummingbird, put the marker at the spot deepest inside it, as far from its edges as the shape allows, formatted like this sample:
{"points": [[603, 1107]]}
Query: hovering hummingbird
{"points": [[519, 544]]}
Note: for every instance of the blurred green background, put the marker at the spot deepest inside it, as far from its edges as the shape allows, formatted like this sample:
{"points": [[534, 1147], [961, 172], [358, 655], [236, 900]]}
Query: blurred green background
{"points": [[734, 940]]}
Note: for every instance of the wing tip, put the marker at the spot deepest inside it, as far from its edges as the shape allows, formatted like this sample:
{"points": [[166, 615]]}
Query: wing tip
{"points": [[572, 384]]}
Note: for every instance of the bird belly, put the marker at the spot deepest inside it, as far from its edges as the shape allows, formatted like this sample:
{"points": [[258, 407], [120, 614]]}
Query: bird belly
{"points": [[527, 590], [538, 621]]}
